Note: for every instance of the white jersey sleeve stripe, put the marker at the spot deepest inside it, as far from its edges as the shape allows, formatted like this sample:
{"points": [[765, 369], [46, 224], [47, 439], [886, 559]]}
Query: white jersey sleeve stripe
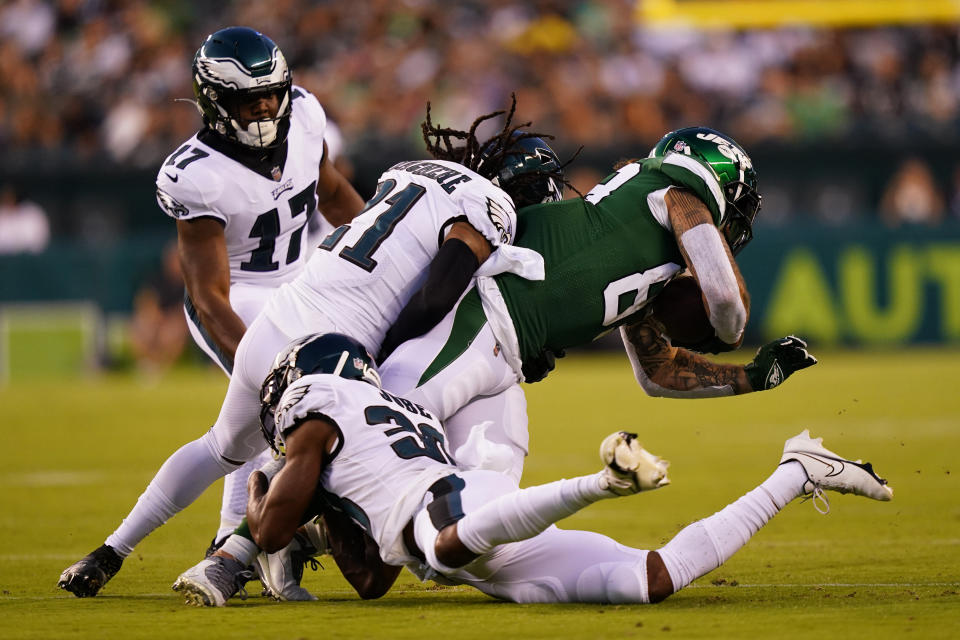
{"points": [[696, 168]]}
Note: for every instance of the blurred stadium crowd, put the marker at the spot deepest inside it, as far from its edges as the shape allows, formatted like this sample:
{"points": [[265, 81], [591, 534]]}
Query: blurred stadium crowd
{"points": [[107, 83], [85, 76]]}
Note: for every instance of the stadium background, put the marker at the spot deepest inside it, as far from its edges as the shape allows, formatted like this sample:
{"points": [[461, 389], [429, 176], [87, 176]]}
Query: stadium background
{"points": [[852, 251], [849, 109]]}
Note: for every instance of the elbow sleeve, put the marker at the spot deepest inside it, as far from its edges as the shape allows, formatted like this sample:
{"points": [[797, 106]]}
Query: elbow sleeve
{"points": [[717, 280]]}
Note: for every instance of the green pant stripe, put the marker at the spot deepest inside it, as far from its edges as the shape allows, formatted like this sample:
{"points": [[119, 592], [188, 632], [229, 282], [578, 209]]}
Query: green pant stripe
{"points": [[467, 322]]}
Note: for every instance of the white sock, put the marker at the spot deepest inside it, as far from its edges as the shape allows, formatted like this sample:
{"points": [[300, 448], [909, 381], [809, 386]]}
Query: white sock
{"points": [[706, 544], [182, 478], [524, 513], [234, 504], [240, 548]]}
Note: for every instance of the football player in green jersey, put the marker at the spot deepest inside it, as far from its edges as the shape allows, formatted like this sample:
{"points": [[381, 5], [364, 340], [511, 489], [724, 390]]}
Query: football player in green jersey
{"points": [[688, 206]]}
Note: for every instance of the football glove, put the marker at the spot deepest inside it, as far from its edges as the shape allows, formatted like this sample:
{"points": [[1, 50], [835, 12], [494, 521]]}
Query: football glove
{"points": [[775, 361], [537, 369]]}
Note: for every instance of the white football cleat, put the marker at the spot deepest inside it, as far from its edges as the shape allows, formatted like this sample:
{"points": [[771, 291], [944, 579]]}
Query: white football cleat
{"points": [[213, 581], [282, 571], [826, 471], [629, 467]]}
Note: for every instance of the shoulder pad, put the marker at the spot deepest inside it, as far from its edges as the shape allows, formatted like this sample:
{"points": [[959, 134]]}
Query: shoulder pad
{"points": [[308, 111]]}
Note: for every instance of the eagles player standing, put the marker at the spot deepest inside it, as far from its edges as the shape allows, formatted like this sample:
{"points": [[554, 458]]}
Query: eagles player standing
{"points": [[690, 205], [242, 192], [432, 225]]}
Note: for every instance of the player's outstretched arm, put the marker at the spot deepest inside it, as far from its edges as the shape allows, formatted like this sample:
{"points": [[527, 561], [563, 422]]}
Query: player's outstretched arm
{"points": [[668, 371], [206, 274], [358, 556], [337, 200]]}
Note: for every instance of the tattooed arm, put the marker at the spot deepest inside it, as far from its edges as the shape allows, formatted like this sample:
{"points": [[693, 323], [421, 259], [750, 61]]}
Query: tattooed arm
{"points": [[668, 371], [665, 370]]}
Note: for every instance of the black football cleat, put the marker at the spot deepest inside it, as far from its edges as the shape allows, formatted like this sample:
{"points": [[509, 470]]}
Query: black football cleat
{"points": [[87, 576]]}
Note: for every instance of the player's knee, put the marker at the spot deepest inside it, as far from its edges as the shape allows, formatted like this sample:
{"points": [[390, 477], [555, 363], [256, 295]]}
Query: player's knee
{"points": [[659, 584], [450, 551]]}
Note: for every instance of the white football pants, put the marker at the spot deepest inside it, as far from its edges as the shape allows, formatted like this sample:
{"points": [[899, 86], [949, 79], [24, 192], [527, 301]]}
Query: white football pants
{"points": [[474, 385], [247, 301]]}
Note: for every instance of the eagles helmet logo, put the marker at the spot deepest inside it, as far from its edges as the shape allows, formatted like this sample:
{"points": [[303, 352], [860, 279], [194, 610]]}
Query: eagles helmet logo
{"points": [[500, 219]]}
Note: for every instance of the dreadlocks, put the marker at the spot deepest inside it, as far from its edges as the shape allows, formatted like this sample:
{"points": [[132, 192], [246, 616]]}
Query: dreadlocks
{"points": [[486, 158]]}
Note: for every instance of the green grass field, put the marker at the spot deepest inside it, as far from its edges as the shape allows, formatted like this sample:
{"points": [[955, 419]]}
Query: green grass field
{"points": [[77, 454]]}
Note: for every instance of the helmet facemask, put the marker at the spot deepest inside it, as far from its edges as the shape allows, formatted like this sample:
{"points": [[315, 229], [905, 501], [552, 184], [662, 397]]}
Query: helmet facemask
{"points": [[743, 205], [259, 133]]}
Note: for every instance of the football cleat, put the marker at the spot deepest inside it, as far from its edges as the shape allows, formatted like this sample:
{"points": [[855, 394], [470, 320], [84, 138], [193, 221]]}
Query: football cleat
{"points": [[629, 467], [87, 576], [826, 471], [213, 581], [281, 572]]}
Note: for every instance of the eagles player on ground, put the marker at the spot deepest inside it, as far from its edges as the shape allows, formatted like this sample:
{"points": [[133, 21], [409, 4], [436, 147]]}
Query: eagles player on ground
{"points": [[690, 205], [242, 192], [430, 227], [381, 461]]}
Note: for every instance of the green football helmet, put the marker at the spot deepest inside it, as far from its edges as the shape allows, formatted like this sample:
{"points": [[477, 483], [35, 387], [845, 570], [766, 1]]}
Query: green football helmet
{"points": [[734, 171], [234, 65], [331, 353]]}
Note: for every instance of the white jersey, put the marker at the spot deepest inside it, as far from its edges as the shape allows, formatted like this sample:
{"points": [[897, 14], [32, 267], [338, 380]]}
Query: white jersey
{"points": [[365, 271], [388, 454], [264, 218]]}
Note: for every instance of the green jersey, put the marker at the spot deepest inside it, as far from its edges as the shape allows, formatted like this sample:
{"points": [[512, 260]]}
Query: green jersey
{"points": [[605, 256]]}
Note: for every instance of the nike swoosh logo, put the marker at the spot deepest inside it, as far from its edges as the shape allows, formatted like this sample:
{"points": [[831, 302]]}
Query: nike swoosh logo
{"points": [[172, 178], [836, 467]]}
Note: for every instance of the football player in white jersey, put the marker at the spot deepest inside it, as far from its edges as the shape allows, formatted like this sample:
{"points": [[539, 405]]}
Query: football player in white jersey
{"points": [[242, 192], [381, 460], [431, 226]]}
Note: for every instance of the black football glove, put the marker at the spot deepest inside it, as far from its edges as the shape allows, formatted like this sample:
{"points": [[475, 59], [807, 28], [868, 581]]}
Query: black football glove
{"points": [[537, 369], [713, 344], [775, 361]]}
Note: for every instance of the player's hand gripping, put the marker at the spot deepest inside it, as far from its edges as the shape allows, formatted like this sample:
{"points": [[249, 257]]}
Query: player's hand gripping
{"points": [[536, 370], [775, 361]]}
